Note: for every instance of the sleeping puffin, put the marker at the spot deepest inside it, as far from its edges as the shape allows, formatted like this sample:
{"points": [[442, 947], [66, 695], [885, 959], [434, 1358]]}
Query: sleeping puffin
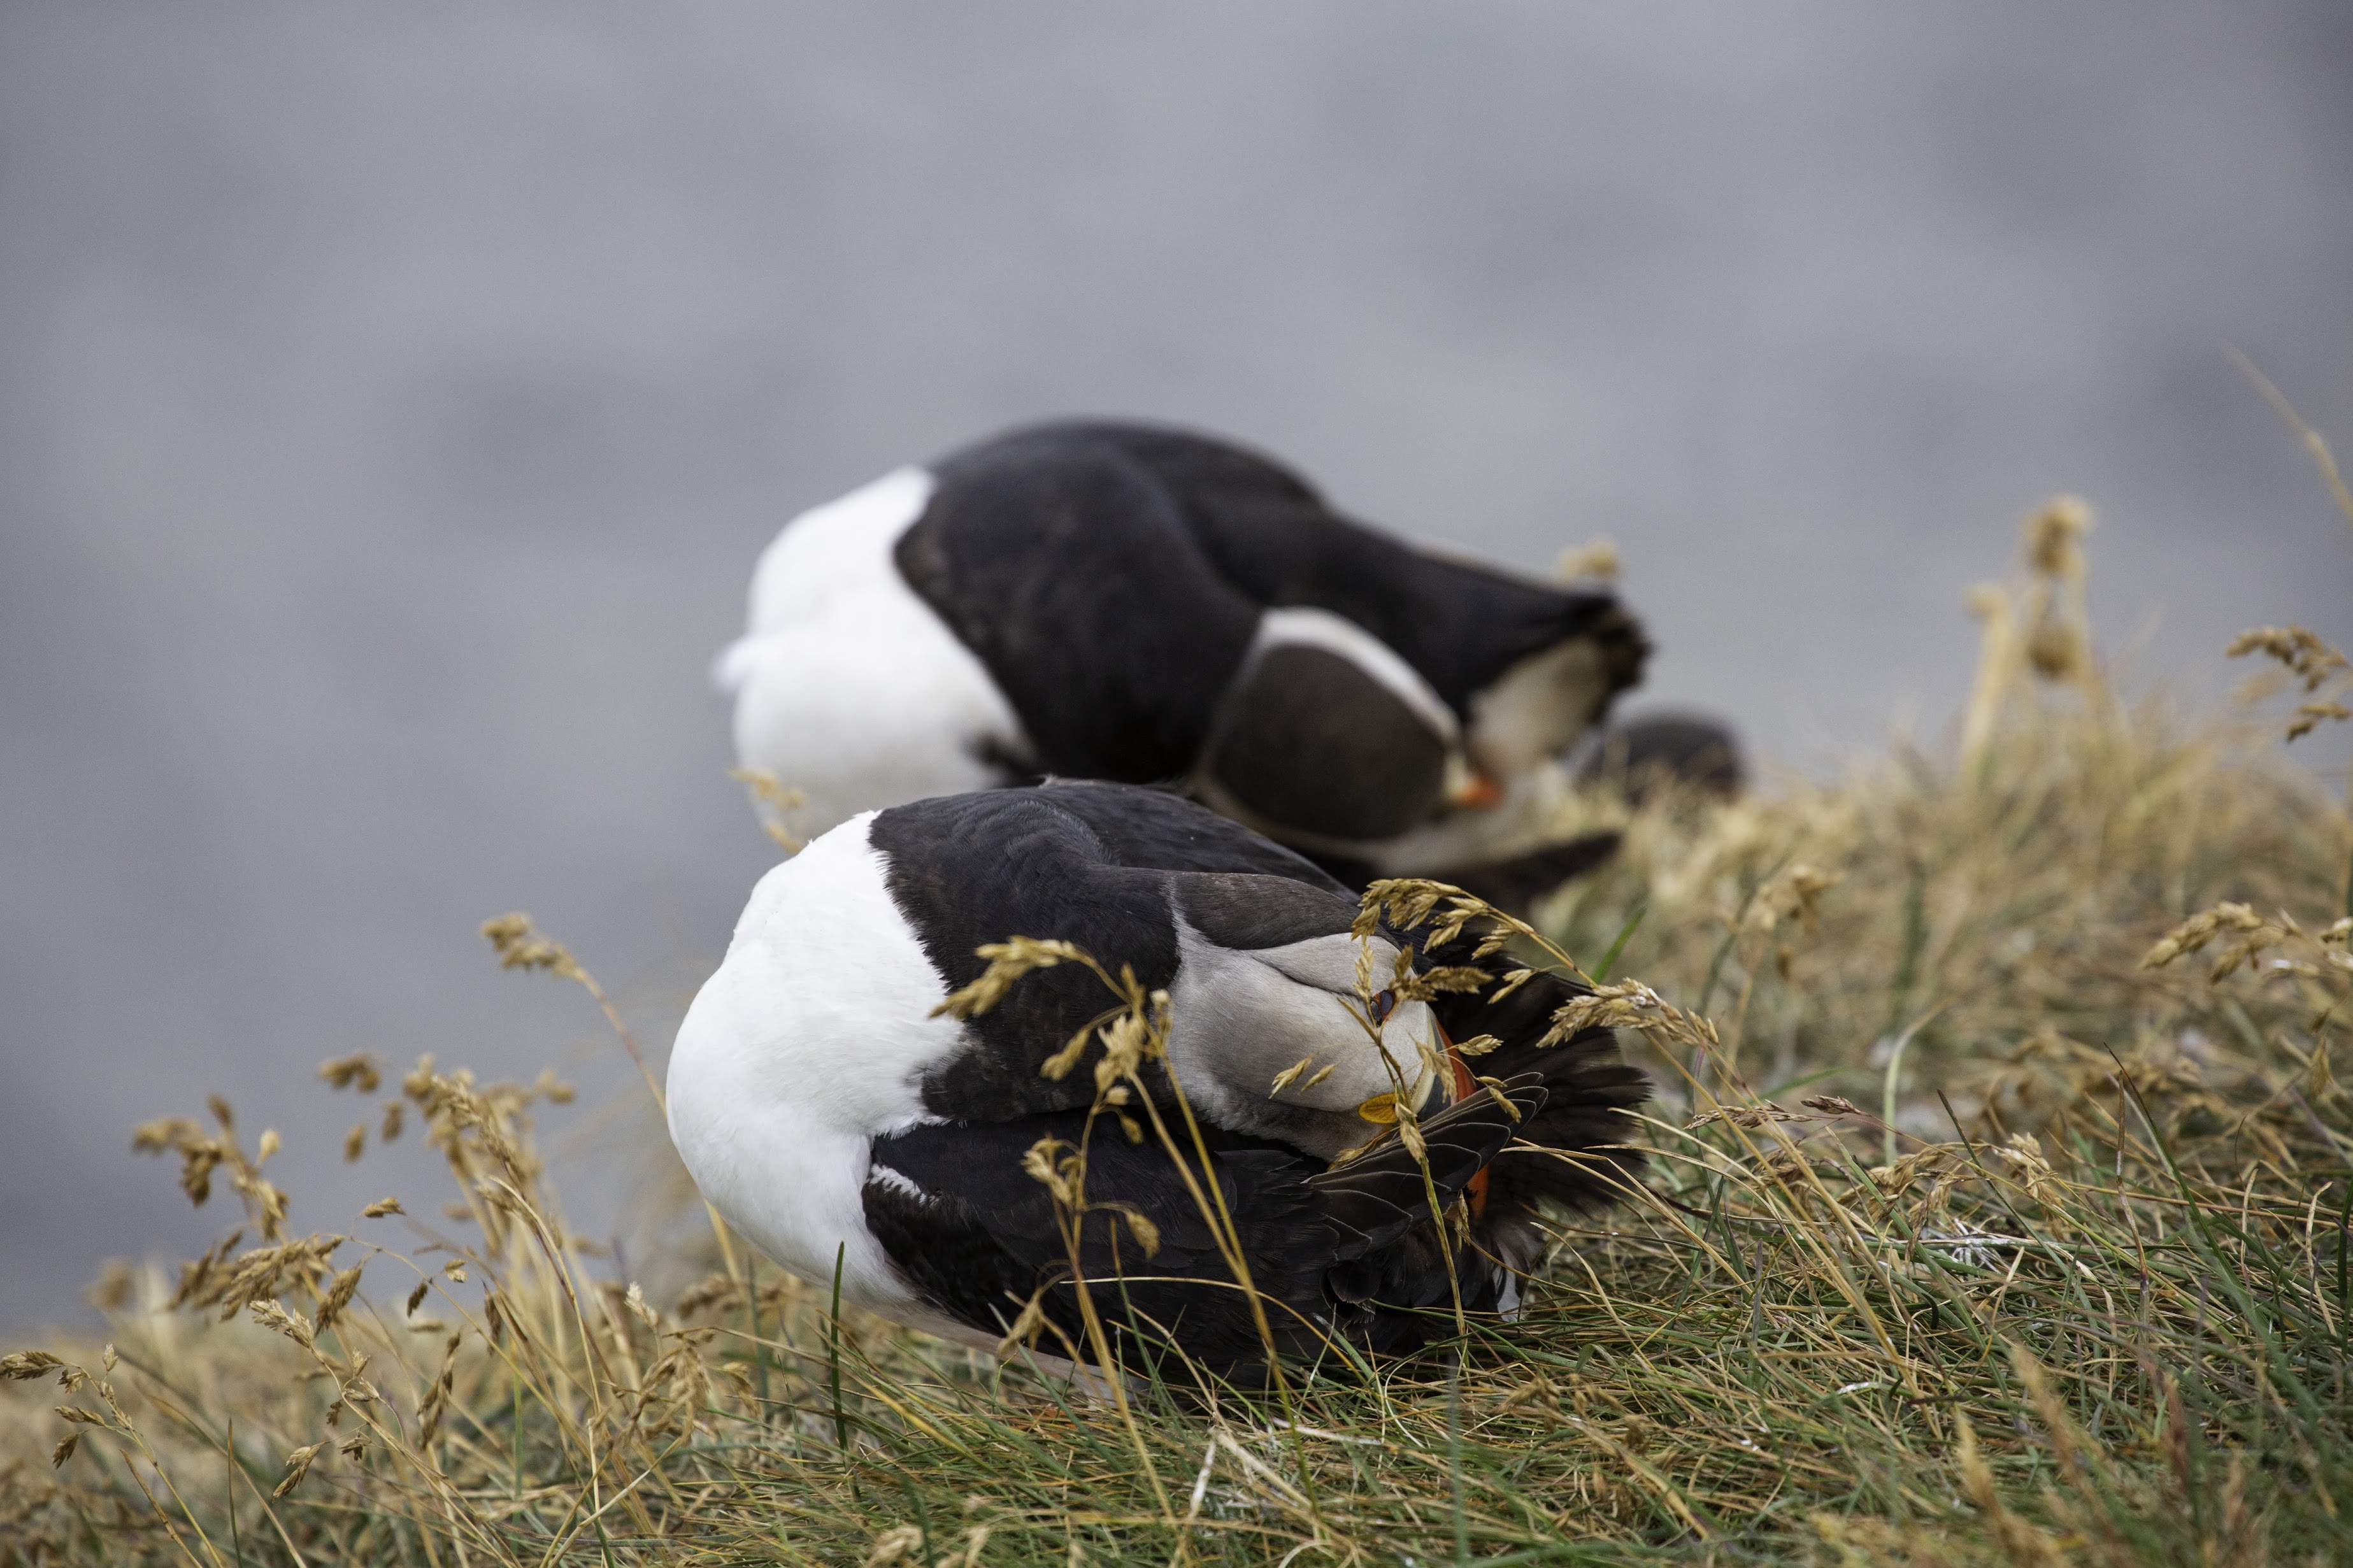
{"points": [[835, 1114], [1122, 601]]}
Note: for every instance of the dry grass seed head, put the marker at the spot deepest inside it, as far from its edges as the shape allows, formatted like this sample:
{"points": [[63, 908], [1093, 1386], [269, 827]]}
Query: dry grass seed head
{"points": [[1008, 960], [1596, 560], [2055, 536], [361, 1072], [2307, 657], [520, 946]]}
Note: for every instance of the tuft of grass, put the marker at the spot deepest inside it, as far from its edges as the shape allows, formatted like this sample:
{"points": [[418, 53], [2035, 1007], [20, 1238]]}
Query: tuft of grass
{"points": [[1999, 1215]]}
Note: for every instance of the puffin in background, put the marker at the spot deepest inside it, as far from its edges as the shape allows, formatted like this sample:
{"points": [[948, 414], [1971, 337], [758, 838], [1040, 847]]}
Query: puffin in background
{"points": [[1691, 751], [1122, 601], [833, 1113]]}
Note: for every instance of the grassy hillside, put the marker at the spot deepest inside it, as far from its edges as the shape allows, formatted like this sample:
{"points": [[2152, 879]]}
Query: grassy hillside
{"points": [[1999, 1214]]}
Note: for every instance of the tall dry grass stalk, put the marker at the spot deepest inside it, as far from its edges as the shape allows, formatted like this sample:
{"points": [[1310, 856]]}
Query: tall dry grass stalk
{"points": [[2002, 1185]]}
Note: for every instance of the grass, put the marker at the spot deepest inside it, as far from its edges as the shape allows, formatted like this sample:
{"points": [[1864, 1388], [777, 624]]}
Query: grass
{"points": [[1989, 1223]]}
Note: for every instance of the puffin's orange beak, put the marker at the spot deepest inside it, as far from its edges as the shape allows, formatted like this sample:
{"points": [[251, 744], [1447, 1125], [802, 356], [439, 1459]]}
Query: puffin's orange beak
{"points": [[1474, 791]]}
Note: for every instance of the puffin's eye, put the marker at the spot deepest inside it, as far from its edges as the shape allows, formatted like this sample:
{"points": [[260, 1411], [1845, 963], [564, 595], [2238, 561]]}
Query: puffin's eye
{"points": [[1383, 1006]]}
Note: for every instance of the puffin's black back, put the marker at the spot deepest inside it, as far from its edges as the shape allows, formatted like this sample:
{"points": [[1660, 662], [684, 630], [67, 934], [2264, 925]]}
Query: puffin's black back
{"points": [[1268, 532], [1069, 569]]}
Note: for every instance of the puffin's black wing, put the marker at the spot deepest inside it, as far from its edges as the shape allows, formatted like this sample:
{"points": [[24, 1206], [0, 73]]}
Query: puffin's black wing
{"points": [[1205, 470], [1069, 569], [977, 1234], [1352, 1250], [1156, 830], [971, 869]]}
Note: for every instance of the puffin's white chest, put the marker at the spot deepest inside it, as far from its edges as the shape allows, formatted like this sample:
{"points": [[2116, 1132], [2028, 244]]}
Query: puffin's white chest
{"points": [[808, 1042], [848, 687]]}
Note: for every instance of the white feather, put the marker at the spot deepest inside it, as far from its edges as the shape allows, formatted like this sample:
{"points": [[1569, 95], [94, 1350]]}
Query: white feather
{"points": [[848, 687], [808, 1043], [897, 1182]]}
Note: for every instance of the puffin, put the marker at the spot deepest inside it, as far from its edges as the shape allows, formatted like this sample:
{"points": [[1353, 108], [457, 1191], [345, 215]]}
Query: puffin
{"points": [[838, 1108], [1105, 600], [1641, 757]]}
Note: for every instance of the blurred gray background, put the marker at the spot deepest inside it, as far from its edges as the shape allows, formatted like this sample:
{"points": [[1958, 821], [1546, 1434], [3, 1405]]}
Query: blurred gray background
{"points": [[392, 400]]}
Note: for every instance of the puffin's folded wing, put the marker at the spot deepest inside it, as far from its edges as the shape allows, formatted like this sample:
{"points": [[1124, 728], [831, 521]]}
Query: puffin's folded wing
{"points": [[976, 1234], [1251, 912], [1309, 741]]}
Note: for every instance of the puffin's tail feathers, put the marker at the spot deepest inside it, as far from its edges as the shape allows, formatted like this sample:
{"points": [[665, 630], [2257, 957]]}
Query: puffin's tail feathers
{"points": [[1573, 1151]]}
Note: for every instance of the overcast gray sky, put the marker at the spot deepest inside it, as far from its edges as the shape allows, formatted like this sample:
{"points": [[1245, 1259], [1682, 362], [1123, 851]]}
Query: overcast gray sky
{"points": [[392, 400]]}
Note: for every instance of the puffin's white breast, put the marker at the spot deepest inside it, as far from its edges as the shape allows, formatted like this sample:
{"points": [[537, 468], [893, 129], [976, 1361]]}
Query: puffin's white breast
{"points": [[808, 1042], [848, 687]]}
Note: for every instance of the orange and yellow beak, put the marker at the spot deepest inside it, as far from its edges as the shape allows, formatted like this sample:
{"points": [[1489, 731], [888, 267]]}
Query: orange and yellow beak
{"points": [[1473, 790]]}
